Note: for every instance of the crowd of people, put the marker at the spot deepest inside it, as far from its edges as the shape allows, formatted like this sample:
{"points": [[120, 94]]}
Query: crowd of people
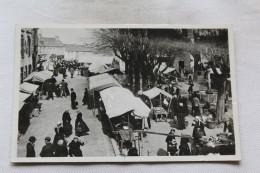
{"points": [[178, 109], [60, 146]]}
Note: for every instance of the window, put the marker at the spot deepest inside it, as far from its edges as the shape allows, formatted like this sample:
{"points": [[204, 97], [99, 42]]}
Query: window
{"points": [[21, 75], [22, 46], [29, 45], [25, 72], [25, 46], [30, 69]]}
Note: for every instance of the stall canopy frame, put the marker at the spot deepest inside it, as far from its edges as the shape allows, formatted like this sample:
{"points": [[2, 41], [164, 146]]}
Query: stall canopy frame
{"points": [[154, 92]]}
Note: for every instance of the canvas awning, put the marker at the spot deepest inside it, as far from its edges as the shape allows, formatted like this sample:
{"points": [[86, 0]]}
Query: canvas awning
{"points": [[28, 88], [22, 98], [40, 76], [140, 108], [99, 68], [102, 81], [169, 70], [118, 101], [152, 93]]}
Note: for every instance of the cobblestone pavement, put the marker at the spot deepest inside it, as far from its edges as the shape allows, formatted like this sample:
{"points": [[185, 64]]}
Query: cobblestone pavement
{"points": [[96, 143]]}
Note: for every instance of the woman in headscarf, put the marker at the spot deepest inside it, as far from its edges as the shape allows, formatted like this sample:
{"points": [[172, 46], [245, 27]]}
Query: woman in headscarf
{"points": [[74, 147], [85, 98], [59, 133], [81, 127], [184, 147]]}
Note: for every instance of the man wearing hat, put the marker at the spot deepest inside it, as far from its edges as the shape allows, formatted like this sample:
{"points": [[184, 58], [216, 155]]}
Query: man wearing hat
{"points": [[48, 149], [30, 147]]}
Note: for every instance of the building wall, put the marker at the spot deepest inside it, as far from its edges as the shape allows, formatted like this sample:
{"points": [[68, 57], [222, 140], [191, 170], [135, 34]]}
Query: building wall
{"points": [[69, 55], [182, 57], [27, 50], [52, 50]]}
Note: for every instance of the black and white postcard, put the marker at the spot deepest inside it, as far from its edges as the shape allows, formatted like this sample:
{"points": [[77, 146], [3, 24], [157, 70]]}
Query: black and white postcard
{"points": [[124, 93]]}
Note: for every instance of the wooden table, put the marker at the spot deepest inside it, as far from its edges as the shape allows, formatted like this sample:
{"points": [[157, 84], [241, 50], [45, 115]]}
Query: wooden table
{"points": [[160, 111]]}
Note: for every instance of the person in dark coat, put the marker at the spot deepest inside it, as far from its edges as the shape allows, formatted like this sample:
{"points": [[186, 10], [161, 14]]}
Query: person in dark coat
{"points": [[184, 147], [190, 89], [74, 147], [195, 105], [64, 72], [61, 149], [85, 98], [181, 112], [59, 133], [172, 148], [73, 98], [48, 149], [30, 152], [81, 127], [67, 127], [169, 139], [198, 130], [58, 91], [63, 88], [174, 105]]}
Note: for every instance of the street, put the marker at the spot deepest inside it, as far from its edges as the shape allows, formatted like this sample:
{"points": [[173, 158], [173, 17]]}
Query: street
{"points": [[96, 143]]}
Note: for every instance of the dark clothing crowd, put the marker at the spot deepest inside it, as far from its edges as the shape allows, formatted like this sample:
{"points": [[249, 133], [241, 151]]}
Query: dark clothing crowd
{"points": [[60, 147]]}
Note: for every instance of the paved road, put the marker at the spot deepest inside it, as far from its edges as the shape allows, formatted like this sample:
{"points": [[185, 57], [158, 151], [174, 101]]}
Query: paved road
{"points": [[96, 143]]}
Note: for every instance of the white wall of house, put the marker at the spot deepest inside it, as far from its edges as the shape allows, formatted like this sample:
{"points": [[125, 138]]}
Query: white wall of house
{"points": [[69, 55], [51, 50]]}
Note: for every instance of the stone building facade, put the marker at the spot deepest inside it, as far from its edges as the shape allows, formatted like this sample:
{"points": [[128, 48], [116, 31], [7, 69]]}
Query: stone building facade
{"points": [[29, 51]]}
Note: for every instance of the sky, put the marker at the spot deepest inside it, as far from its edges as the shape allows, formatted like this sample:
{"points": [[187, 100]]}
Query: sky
{"points": [[70, 36]]}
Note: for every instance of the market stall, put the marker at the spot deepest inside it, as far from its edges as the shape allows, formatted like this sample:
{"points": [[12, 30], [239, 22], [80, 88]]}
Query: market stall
{"points": [[39, 76], [98, 83], [158, 109], [28, 87], [124, 111]]}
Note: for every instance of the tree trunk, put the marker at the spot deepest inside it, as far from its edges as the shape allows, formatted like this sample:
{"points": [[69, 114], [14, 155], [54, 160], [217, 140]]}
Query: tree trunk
{"points": [[130, 74], [126, 67], [220, 115], [144, 80], [137, 79]]}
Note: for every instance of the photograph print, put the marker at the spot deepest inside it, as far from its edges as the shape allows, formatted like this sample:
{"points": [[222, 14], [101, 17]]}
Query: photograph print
{"points": [[124, 93]]}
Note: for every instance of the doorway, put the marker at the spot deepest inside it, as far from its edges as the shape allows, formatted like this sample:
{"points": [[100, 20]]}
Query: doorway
{"points": [[181, 66]]}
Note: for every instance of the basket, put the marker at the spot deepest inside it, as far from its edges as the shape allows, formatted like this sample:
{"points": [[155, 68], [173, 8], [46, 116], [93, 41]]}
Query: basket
{"points": [[211, 124]]}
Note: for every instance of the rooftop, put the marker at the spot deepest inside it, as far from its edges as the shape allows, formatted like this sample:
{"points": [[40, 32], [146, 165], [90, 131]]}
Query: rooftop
{"points": [[50, 42]]}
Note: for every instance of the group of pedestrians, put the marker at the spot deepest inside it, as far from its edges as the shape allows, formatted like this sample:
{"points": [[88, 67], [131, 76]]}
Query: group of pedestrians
{"points": [[60, 146]]}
